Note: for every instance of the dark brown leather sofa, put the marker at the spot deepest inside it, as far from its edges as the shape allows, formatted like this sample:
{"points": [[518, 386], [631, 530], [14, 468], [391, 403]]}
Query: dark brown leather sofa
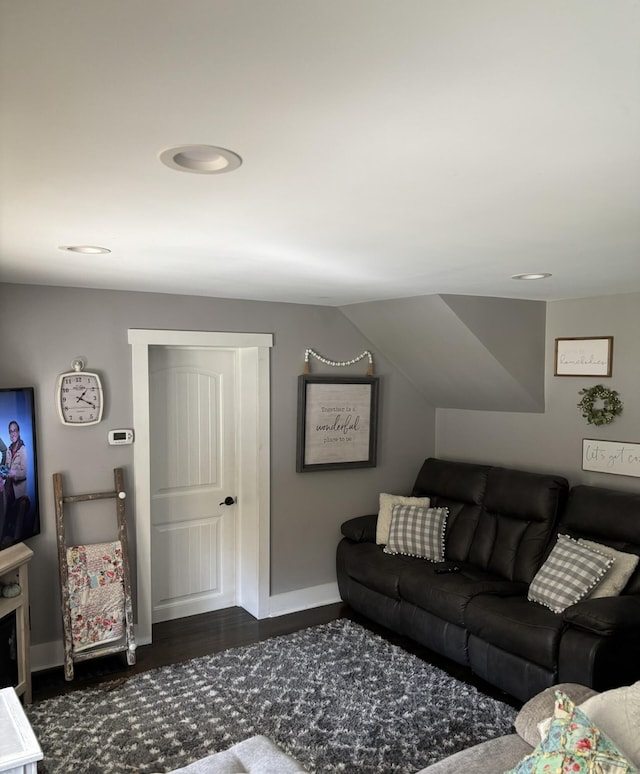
{"points": [[502, 524]]}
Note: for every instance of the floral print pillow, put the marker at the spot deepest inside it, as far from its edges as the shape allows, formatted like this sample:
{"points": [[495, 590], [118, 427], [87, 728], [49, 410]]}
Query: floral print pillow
{"points": [[573, 746]]}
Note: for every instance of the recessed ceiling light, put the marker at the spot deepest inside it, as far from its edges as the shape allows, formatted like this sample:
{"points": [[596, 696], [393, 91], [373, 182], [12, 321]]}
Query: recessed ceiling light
{"points": [[85, 249], [542, 275], [201, 159]]}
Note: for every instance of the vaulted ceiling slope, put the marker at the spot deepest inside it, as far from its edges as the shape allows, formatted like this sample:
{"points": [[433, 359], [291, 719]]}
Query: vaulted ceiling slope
{"points": [[390, 148], [485, 354]]}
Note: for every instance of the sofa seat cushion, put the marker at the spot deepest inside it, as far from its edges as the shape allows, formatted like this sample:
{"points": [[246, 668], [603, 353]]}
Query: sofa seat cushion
{"points": [[446, 595], [516, 625], [370, 566]]}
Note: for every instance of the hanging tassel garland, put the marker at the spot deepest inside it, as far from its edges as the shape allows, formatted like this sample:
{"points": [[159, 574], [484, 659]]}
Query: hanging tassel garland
{"points": [[337, 363]]}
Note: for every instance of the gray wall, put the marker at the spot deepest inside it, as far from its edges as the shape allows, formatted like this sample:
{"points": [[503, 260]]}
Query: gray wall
{"points": [[44, 328], [464, 352], [553, 441]]}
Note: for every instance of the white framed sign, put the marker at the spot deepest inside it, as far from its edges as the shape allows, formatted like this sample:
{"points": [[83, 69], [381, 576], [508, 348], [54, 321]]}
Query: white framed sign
{"points": [[584, 356], [618, 457]]}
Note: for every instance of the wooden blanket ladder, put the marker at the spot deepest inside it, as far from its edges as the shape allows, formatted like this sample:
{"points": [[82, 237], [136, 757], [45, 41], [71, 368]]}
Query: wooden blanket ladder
{"points": [[127, 641]]}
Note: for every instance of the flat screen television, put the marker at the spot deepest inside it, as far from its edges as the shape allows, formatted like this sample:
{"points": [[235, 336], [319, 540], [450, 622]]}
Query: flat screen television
{"points": [[19, 505]]}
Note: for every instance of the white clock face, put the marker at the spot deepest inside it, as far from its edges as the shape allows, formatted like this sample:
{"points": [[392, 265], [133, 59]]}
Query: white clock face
{"points": [[80, 398]]}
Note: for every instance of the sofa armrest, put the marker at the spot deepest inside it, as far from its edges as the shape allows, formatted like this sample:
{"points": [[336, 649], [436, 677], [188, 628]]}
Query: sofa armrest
{"points": [[491, 757], [605, 615], [362, 529]]}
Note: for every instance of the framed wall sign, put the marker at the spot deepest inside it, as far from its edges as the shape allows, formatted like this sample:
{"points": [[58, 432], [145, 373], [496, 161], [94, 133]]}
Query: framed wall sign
{"points": [[616, 457], [337, 422], [584, 356]]}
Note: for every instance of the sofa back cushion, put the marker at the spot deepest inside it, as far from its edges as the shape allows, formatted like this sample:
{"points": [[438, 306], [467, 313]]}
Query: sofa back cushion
{"points": [[519, 516], [460, 487], [500, 520], [607, 516]]}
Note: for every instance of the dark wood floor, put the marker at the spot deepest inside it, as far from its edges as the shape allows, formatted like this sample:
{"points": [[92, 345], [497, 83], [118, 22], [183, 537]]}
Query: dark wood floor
{"points": [[200, 635]]}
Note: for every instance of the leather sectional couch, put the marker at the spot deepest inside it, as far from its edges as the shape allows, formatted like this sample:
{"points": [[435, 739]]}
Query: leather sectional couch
{"points": [[502, 526]]}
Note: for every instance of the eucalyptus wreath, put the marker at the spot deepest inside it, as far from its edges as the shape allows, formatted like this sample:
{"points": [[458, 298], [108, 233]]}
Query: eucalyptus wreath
{"points": [[610, 408]]}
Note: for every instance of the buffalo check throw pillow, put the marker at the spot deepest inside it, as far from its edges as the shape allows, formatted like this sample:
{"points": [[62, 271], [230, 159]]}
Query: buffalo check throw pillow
{"points": [[387, 502], [417, 531], [569, 573]]}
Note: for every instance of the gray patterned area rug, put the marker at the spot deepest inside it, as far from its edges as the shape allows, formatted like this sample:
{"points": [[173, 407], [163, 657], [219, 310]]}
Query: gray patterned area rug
{"points": [[336, 697]]}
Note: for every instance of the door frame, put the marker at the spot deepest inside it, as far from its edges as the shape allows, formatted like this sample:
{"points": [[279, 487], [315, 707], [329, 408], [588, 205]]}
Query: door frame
{"points": [[253, 507]]}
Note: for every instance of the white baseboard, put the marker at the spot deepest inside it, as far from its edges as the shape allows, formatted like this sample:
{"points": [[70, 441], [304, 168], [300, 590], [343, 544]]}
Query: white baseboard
{"points": [[303, 599], [48, 655]]}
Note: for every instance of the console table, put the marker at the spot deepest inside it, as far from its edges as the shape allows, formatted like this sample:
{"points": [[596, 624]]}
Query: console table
{"points": [[19, 748], [14, 569]]}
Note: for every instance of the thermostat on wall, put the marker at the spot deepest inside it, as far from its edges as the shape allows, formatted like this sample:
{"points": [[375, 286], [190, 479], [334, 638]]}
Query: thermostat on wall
{"points": [[120, 437]]}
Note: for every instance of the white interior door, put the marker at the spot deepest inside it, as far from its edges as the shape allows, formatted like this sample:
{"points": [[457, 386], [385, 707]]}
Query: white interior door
{"points": [[192, 438]]}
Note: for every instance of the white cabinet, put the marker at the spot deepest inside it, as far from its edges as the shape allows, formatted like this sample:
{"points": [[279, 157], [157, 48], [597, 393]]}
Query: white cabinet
{"points": [[14, 563], [19, 748]]}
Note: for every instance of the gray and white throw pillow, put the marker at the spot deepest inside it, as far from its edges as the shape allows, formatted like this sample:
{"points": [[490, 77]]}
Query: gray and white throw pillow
{"points": [[570, 571], [619, 572], [387, 501], [417, 531]]}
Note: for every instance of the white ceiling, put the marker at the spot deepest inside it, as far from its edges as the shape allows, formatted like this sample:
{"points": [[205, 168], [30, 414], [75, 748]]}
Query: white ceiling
{"points": [[390, 148]]}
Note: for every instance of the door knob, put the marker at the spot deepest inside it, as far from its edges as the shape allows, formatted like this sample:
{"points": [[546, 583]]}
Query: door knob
{"points": [[228, 501]]}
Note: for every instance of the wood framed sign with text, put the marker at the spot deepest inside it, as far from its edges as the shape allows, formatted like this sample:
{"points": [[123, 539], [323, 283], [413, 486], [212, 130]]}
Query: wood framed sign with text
{"points": [[617, 457], [584, 356], [337, 422]]}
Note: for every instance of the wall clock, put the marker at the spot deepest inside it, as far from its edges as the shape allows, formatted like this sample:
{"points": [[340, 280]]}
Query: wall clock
{"points": [[79, 396]]}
